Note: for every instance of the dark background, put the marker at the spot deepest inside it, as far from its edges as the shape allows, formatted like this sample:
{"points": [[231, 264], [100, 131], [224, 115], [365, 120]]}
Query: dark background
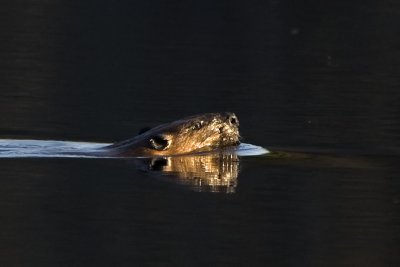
{"points": [[299, 74]]}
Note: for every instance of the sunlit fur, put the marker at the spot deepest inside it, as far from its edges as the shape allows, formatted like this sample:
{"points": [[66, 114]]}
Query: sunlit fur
{"points": [[205, 132]]}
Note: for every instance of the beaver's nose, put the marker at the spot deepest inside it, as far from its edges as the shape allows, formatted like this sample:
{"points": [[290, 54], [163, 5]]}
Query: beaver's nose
{"points": [[232, 119]]}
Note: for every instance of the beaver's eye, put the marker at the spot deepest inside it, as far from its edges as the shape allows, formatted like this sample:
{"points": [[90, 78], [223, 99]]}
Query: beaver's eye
{"points": [[158, 142], [198, 125]]}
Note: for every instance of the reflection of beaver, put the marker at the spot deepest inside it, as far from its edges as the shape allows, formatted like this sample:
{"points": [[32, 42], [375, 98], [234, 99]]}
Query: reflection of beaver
{"points": [[199, 133], [209, 172]]}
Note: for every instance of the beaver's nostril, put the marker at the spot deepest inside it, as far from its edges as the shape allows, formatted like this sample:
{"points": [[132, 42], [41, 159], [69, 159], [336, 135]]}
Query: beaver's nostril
{"points": [[233, 119]]}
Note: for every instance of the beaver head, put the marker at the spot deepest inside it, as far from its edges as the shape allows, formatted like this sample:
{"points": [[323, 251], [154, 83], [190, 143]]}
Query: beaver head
{"points": [[199, 133]]}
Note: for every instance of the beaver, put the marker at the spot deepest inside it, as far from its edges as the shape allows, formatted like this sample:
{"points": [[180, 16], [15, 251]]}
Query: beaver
{"points": [[198, 133]]}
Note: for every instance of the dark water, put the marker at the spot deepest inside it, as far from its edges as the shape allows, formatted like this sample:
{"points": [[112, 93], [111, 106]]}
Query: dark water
{"points": [[304, 76]]}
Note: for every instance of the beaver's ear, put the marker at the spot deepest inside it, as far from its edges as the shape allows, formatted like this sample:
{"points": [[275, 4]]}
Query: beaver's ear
{"points": [[143, 130], [159, 142]]}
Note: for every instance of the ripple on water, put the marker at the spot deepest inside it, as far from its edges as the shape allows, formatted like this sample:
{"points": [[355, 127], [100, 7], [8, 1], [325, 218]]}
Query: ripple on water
{"points": [[52, 148]]}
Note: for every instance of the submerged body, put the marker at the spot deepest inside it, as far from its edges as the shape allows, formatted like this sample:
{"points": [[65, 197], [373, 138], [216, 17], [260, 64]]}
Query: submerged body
{"points": [[199, 133]]}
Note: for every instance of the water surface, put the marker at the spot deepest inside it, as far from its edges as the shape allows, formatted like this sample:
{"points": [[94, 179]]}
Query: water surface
{"points": [[318, 79]]}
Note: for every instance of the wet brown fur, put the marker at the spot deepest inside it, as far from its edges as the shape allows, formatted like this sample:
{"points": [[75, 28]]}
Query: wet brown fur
{"points": [[199, 133]]}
